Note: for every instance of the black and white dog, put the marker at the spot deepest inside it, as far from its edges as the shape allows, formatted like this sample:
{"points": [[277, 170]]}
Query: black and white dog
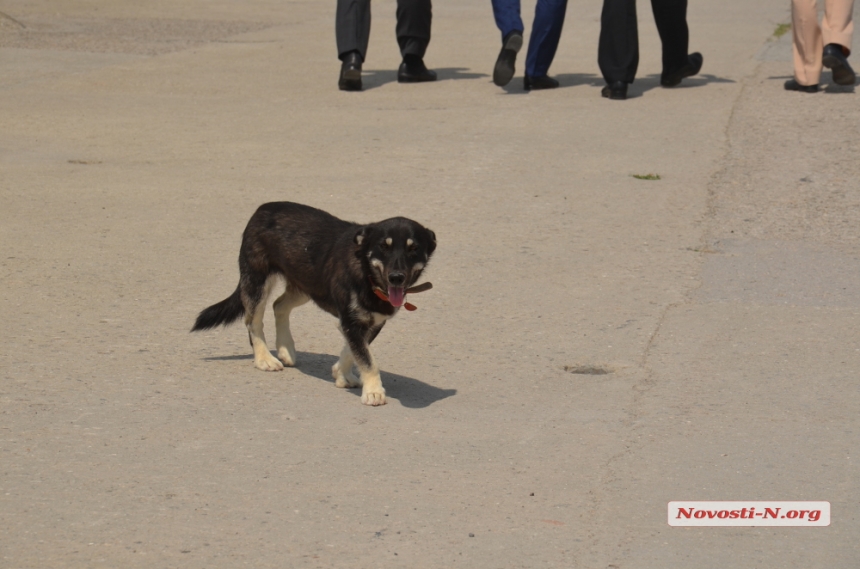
{"points": [[358, 273]]}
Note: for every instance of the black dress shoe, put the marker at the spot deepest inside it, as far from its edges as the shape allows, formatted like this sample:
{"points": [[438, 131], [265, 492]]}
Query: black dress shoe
{"points": [[503, 72], [413, 70], [615, 90], [793, 85], [350, 72], [692, 67], [835, 59], [545, 82]]}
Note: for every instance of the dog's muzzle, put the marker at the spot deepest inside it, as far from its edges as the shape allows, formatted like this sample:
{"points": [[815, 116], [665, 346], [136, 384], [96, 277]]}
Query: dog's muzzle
{"points": [[415, 289], [396, 294]]}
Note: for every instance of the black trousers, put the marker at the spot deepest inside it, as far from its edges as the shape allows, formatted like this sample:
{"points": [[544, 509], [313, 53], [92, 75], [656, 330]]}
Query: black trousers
{"points": [[352, 26], [618, 48]]}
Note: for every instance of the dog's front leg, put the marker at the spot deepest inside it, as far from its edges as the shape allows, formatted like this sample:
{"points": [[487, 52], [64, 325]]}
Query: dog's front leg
{"points": [[341, 371], [372, 392]]}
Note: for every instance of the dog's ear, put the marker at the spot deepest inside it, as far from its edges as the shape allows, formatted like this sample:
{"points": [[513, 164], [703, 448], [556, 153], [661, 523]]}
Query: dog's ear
{"points": [[432, 246], [361, 235]]}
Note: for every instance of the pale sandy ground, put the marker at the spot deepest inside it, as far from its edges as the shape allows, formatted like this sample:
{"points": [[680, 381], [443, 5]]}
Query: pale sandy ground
{"points": [[721, 301]]}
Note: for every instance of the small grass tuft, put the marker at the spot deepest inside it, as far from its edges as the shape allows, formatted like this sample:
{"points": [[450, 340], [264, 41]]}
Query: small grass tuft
{"points": [[702, 249], [646, 176], [588, 370], [781, 30]]}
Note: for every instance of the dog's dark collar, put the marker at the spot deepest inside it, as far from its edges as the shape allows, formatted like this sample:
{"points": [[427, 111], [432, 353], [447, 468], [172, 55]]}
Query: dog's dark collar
{"points": [[412, 290]]}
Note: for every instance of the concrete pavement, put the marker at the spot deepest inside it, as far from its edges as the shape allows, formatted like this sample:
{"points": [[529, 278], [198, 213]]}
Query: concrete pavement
{"points": [[595, 345]]}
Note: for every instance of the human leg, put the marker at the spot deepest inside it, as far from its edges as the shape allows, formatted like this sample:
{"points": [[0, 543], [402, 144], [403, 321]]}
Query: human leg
{"points": [[352, 33], [671, 19], [546, 33], [510, 24], [838, 25], [837, 29], [618, 47], [807, 43], [413, 35], [507, 16], [352, 27], [414, 18]]}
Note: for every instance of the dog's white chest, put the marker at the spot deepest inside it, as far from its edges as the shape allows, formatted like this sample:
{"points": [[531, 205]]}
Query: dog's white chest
{"points": [[378, 318]]}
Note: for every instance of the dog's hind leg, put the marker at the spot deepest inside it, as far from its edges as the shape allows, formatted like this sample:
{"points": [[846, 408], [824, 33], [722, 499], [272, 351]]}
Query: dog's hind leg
{"points": [[254, 310], [284, 343]]}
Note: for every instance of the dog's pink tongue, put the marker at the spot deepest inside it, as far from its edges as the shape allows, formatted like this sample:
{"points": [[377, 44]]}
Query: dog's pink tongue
{"points": [[396, 296]]}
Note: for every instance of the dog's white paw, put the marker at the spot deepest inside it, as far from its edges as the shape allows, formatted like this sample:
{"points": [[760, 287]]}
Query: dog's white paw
{"points": [[373, 397], [268, 363], [345, 380], [287, 357]]}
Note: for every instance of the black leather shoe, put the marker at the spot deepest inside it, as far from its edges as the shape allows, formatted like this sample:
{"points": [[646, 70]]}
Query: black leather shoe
{"points": [[835, 59], [413, 70], [350, 73], [536, 83], [793, 85], [693, 66], [503, 72], [615, 90]]}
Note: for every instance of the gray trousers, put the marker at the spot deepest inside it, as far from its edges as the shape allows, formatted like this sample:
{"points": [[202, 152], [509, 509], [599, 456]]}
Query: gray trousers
{"points": [[352, 26]]}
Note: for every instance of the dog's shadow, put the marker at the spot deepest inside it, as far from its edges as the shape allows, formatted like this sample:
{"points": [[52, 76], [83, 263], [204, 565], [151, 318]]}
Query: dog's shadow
{"points": [[411, 393]]}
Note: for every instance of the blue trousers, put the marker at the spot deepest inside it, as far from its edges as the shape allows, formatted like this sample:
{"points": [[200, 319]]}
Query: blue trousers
{"points": [[546, 30]]}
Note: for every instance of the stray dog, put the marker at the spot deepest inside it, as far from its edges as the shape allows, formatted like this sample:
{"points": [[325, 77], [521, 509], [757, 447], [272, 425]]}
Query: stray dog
{"points": [[358, 273]]}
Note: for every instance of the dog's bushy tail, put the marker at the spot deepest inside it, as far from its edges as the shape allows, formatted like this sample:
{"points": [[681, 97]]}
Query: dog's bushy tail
{"points": [[225, 312]]}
